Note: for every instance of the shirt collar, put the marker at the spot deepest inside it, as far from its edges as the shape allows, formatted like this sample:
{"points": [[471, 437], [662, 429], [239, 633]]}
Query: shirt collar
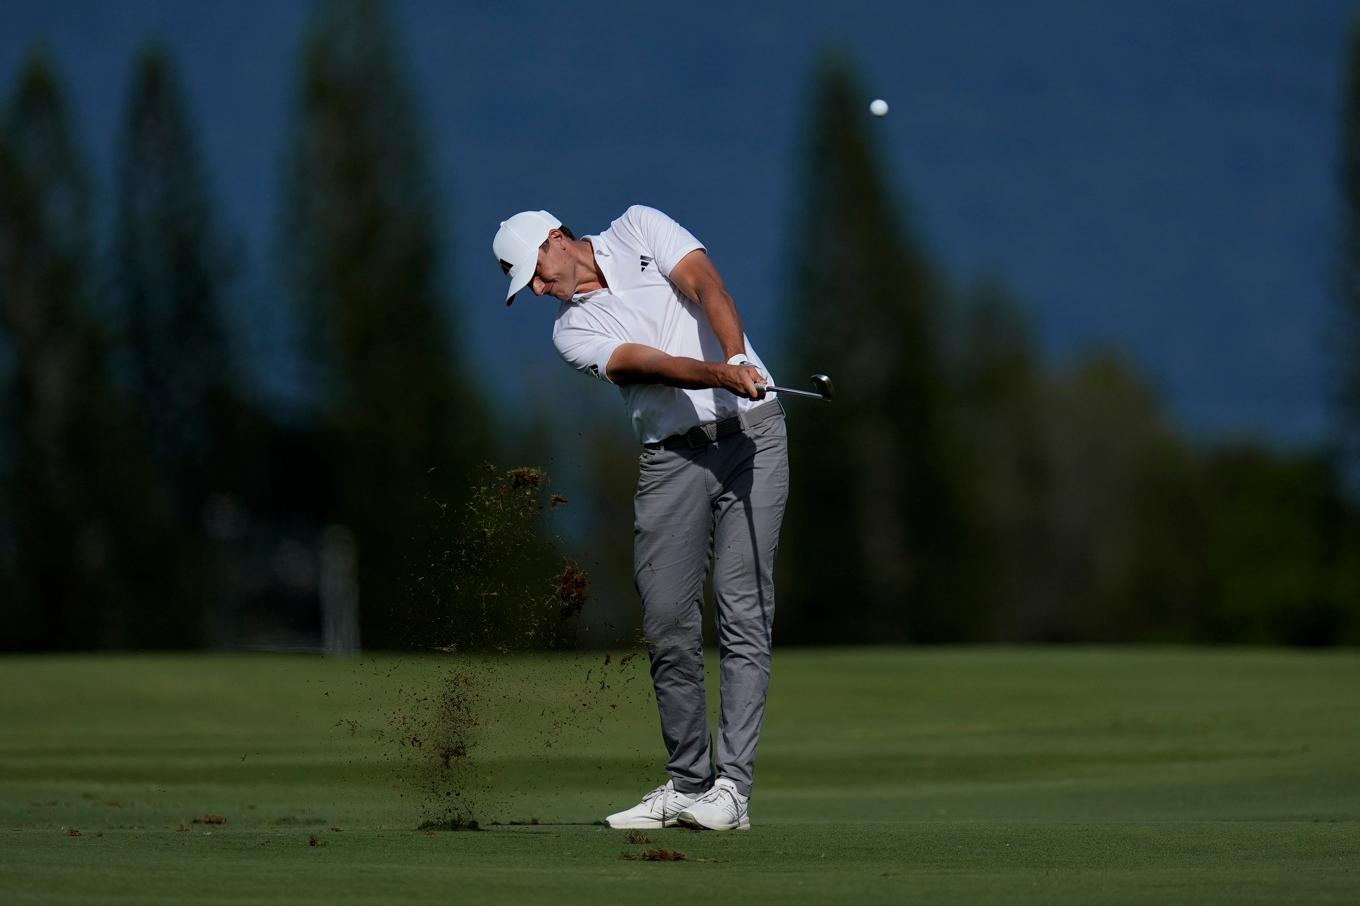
{"points": [[600, 248]]}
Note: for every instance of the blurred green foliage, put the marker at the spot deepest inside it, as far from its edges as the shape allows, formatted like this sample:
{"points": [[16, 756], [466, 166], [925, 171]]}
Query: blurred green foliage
{"points": [[960, 490]]}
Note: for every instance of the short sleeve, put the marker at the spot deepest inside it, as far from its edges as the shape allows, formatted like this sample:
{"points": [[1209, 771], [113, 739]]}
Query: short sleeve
{"points": [[586, 350], [668, 240]]}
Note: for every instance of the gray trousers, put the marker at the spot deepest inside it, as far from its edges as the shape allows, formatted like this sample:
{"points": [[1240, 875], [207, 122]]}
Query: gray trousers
{"points": [[722, 502]]}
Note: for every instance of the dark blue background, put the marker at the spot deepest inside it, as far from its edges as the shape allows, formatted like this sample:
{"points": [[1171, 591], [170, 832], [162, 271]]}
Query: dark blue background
{"points": [[1160, 176]]}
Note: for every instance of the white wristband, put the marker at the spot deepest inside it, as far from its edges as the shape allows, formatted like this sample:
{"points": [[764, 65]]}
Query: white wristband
{"points": [[739, 359]]}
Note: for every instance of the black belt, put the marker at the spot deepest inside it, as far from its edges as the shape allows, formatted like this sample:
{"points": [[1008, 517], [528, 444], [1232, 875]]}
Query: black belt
{"points": [[708, 432]]}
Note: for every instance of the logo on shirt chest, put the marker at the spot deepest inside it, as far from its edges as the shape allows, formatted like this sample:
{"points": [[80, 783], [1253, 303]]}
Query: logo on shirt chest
{"points": [[645, 261]]}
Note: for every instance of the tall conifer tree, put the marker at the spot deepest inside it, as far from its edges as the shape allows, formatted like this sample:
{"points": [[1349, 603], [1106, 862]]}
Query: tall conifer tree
{"points": [[361, 249], [1001, 418], [873, 541], [87, 513], [172, 273]]}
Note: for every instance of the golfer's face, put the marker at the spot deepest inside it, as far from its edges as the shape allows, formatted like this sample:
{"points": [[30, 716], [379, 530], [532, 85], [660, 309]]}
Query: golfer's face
{"points": [[555, 274]]}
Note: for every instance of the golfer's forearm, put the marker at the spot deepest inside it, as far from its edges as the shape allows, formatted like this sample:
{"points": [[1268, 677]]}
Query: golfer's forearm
{"points": [[724, 318], [633, 363]]}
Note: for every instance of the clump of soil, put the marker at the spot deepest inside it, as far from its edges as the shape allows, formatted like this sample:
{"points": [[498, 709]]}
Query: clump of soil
{"points": [[294, 821], [451, 824], [572, 588], [527, 477], [210, 819], [637, 837], [657, 854], [314, 840]]}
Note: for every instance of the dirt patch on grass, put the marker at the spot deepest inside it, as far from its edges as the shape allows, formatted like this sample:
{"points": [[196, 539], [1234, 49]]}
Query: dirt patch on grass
{"points": [[294, 821], [638, 837], [450, 825], [657, 854]]}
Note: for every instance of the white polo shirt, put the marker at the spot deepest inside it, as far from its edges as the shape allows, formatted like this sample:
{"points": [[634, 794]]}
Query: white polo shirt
{"points": [[641, 305]]}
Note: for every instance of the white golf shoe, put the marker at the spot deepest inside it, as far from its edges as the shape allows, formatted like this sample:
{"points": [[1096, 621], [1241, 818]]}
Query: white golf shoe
{"points": [[658, 808], [721, 808]]}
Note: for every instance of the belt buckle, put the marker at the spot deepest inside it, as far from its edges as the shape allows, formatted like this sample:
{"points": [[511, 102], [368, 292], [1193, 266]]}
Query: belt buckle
{"points": [[698, 437]]}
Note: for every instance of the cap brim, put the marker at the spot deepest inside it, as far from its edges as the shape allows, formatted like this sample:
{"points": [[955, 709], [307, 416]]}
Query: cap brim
{"points": [[519, 278]]}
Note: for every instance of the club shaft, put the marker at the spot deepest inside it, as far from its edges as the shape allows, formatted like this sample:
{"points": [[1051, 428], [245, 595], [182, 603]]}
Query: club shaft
{"points": [[774, 389]]}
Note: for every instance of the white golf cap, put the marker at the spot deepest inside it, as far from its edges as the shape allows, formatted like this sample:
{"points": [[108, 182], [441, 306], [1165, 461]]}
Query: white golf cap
{"points": [[516, 246]]}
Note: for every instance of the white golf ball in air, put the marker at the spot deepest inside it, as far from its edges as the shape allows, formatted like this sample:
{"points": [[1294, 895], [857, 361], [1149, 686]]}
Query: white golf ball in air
{"points": [[878, 107]]}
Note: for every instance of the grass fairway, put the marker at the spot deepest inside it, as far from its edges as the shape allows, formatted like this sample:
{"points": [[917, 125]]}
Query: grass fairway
{"points": [[886, 775]]}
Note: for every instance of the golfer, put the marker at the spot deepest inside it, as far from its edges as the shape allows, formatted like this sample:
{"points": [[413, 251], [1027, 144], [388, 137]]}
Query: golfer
{"points": [[643, 308]]}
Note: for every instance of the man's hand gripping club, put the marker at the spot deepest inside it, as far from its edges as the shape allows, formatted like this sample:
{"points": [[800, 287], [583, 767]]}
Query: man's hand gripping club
{"points": [[635, 363]]}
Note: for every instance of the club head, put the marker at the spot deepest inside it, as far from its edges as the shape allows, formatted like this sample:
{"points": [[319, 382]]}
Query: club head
{"points": [[822, 384]]}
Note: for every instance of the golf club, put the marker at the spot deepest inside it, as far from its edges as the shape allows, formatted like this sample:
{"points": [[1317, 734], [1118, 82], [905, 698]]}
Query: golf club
{"points": [[820, 382]]}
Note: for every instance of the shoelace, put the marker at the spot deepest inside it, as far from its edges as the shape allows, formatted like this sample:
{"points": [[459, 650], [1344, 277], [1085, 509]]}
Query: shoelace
{"points": [[654, 793], [713, 795]]}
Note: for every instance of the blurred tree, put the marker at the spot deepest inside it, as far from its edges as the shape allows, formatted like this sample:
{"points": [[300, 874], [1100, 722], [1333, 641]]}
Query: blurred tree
{"points": [[88, 515], [1098, 523], [1282, 550], [1126, 519], [1344, 339], [1088, 520], [873, 543], [360, 248], [172, 272], [1001, 419]]}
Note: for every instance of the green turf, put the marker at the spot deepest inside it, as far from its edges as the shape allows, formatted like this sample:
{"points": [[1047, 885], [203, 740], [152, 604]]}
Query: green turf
{"points": [[1162, 776]]}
